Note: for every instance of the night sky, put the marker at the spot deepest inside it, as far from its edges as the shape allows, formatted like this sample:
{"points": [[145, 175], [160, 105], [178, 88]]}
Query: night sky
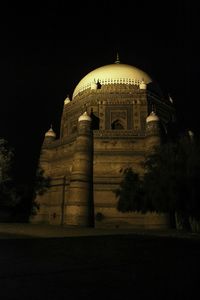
{"points": [[47, 49]]}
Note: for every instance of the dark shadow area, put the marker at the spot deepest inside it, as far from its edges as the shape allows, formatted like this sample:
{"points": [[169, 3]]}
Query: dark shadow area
{"points": [[95, 121], [120, 267]]}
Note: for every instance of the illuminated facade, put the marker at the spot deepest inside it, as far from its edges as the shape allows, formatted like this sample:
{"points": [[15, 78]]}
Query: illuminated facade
{"points": [[110, 124]]}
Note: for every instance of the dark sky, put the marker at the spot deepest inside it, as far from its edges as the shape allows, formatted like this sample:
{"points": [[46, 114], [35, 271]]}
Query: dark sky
{"points": [[47, 49]]}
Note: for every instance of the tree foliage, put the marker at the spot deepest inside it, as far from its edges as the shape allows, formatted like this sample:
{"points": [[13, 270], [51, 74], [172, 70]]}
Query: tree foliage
{"points": [[172, 176], [170, 182], [6, 156], [41, 185], [7, 191], [27, 194], [19, 198], [130, 192]]}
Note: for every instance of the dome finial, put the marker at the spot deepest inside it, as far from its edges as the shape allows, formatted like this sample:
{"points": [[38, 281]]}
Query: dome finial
{"points": [[117, 60]]}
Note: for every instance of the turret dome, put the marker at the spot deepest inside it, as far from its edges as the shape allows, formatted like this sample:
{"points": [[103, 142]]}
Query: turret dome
{"points": [[152, 117], [67, 100], [50, 133], [84, 117]]}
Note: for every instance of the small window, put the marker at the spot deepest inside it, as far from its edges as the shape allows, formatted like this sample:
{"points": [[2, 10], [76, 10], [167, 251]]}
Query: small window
{"points": [[117, 125]]}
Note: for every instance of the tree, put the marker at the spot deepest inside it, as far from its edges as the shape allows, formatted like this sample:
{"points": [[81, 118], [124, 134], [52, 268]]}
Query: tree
{"points": [[130, 192], [7, 191], [27, 194], [171, 180], [17, 200], [40, 186], [170, 183], [6, 155]]}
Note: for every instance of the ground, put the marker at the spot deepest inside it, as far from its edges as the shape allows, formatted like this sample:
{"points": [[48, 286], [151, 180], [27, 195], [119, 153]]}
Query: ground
{"points": [[52, 262]]}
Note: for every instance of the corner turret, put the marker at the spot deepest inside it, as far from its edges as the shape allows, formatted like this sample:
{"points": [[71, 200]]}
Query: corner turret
{"points": [[153, 133], [50, 136], [80, 205]]}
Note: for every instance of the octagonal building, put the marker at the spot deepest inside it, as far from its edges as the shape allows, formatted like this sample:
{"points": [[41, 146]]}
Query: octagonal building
{"points": [[116, 116]]}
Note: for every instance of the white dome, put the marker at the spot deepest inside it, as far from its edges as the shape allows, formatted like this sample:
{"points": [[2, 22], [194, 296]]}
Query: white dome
{"points": [[84, 117], [111, 74], [67, 100], [152, 117], [50, 133]]}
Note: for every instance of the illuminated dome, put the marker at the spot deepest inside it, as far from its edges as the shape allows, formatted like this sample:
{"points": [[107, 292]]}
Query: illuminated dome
{"points": [[50, 133], [111, 74], [84, 117], [152, 117], [67, 100]]}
